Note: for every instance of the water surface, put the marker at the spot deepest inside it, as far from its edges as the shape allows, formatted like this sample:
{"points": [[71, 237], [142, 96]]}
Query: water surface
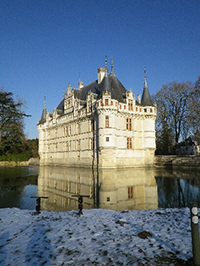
{"points": [[112, 189]]}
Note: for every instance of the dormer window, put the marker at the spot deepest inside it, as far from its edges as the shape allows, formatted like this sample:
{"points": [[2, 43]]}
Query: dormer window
{"points": [[106, 102], [130, 105]]}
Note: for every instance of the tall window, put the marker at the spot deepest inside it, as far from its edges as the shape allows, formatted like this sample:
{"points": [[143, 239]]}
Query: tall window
{"points": [[91, 144], [129, 143], [129, 124], [106, 102], [107, 121], [78, 128], [130, 192], [78, 145], [130, 105]]}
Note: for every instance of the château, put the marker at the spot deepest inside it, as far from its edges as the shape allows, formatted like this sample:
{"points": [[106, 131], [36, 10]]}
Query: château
{"points": [[100, 125]]}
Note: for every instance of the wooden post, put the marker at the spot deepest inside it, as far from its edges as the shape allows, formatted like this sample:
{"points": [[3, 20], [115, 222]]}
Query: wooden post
{"points": [[38, 203], [195, 233]]}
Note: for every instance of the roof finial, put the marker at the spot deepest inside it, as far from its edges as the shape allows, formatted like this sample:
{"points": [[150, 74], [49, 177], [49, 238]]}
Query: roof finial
{"points": [[111, 64], [106, 62], [44, 102], [145, 77]]}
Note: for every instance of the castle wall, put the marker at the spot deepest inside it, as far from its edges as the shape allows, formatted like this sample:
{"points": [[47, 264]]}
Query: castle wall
{"points": [[98, 131], [74, 141]]}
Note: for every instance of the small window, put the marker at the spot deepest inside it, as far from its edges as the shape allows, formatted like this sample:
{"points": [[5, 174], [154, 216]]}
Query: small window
{"points": [[145, 110], [108, 199], [129, 143], [129, 124], [107, 139], [107, 121]]}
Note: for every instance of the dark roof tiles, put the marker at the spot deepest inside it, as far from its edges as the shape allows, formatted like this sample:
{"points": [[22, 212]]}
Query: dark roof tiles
{"points": [[111, 84]]}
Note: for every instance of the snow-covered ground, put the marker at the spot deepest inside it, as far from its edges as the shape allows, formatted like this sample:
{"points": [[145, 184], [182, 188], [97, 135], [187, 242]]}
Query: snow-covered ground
{"points": [[98, 237]]}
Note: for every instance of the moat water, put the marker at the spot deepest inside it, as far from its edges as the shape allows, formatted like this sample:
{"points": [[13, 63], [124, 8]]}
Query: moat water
{"points": [[128, 189]]}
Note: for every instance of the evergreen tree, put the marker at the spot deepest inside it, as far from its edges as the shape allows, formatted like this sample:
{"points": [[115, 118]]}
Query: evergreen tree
{"points": [[12, 138]]}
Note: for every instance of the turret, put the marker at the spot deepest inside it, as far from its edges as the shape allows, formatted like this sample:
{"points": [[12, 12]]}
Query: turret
{"points": [[146, 98]]}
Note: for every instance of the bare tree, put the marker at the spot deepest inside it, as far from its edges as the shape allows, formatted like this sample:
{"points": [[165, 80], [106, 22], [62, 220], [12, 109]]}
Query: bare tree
{"points": [[176, 117]]}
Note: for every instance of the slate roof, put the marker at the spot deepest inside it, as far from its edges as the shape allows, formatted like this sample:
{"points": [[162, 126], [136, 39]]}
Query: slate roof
{"points": [[43, 117], [146, 98], [109, 83]]}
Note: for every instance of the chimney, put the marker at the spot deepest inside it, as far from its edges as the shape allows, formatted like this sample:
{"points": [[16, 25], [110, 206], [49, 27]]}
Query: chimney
{"points": [[139, 98], [80, 84], [101, 73]]}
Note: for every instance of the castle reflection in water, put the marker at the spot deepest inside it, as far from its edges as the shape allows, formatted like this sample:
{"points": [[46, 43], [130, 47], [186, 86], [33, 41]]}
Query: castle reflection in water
{"points": [[133, 189]]}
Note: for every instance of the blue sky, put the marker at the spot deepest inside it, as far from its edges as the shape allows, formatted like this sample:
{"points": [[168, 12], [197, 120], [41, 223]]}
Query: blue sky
{"points": [[44, 44]]}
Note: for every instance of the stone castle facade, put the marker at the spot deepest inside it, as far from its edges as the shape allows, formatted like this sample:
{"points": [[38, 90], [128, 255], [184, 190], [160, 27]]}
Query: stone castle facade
{"points": [[99, 125]]}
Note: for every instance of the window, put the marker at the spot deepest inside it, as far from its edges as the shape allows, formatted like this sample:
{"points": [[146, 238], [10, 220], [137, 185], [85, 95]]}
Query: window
{"points": [[108, 199], [129, 124], [106, 102], [67, 146], [78, 145], [111, 103], [145, 110], [129, 143], [130, 105], [78, 128], [130, 192], [91, 144], [107, 121], [91, 125], [107, 139], [78, 188]]}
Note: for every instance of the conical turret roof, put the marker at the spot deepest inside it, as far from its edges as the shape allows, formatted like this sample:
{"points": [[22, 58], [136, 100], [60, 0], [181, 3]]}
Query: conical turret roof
{"points": [[146, 98]]}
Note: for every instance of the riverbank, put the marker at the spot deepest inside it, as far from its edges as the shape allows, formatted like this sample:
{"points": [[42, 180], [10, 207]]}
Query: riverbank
{"points": [[31, 161], [160, 161], [177, 162], [98, 237]]}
